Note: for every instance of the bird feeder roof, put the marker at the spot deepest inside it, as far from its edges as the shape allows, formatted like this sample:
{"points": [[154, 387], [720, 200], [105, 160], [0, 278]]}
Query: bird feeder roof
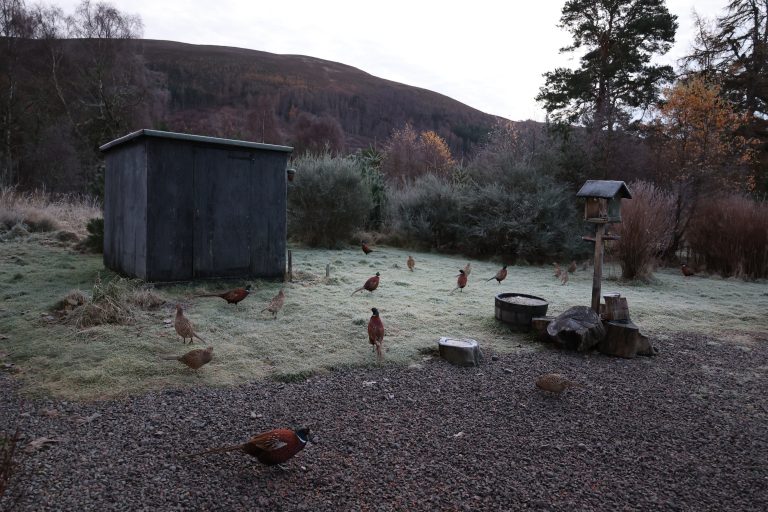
{"points": [[193, 138], [607, 189]]}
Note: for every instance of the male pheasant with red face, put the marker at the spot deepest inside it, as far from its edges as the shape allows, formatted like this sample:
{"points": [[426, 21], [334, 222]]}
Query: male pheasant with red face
{"points": [[367, 250], [371, 284], [500, 275], [461, 281], [687, 271], [231, 296], [376, 333], [270, 448]]}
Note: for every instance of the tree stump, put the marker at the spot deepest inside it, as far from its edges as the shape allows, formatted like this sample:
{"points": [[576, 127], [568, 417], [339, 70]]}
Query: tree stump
{"points": [[615, 308], [539, 325], [623, 339], [459, 352], [578, 328]]}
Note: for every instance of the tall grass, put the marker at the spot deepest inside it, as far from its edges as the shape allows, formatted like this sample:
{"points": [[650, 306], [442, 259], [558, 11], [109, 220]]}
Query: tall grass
{"points": [[729, 236], [41, 211], [645, 231]]}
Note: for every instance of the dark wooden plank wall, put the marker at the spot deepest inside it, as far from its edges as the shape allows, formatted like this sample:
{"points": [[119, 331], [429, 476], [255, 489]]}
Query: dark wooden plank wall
{"points": [[224, 182], [269, 224], [170, 208], [176, 210], [125, 210]]}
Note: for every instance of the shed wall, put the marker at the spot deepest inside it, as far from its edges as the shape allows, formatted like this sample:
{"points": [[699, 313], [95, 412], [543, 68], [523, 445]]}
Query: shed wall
{"points": [[125, 210], [170, 208]]}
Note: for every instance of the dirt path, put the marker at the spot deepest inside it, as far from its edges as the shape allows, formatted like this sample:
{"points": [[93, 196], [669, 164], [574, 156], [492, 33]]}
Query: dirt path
{"points": [[683, 431]]}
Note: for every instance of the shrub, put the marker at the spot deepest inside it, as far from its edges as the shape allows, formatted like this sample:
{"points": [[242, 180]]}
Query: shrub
{"points": [[645, 231], [729, 235], [327, 201], [522, 214], [427, 213], [95, 239]]}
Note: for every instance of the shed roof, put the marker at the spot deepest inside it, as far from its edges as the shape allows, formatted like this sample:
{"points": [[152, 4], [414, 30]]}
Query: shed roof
{"points": [[604, 188], [193, 138]]}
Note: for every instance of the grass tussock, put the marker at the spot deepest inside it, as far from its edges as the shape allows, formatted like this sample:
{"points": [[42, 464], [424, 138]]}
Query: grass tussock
{"points": [[39, 211], [115, 301]]}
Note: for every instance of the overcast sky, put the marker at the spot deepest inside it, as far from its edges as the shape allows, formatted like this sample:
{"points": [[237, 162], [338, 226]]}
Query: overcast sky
{"points": [[488, 54]]}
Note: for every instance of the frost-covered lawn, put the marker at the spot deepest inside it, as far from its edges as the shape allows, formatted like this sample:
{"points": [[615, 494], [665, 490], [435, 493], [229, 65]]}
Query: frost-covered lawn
{"points": [[321, 326]]}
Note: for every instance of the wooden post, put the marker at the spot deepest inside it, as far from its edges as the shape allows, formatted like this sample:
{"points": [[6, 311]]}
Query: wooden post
{"points": [[597, 278], [290, 266], [328, 270]]}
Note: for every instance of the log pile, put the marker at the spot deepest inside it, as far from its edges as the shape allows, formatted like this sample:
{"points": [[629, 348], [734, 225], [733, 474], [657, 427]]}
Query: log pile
{"points": [[581, 329]]}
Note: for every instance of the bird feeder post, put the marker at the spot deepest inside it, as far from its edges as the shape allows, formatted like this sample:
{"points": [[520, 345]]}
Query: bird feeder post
{"points": [[328, 270], [598, 275], [603, 206]]}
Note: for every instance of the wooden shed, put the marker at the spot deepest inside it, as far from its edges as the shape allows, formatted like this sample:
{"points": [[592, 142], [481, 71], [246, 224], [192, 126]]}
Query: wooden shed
{"points": [[180, 207]]}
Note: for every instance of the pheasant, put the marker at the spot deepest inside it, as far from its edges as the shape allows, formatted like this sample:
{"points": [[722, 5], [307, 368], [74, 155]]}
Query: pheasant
{"points": [[371, 284], [231, 296], [500, 275], [376, 333], [411, 263], [184, 326], [555, 383], [366, 249], [572, 267], [461, 282], [687, 271], [468, 269], [270, 448], [276, 304], [194, 358], [564, 277], [558, 271]]}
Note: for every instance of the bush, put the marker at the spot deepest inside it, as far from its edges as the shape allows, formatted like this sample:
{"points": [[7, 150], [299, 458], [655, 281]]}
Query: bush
{"points": [[521, 214], [729, 235], [427, 213], [327, 201], [95, 239], [645, 231]]}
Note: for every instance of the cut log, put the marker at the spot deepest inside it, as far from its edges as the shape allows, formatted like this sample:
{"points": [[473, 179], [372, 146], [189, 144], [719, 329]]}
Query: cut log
{"points": [[623, 339], [464, 352], [616, 308], [578, 328], [539, 326]]}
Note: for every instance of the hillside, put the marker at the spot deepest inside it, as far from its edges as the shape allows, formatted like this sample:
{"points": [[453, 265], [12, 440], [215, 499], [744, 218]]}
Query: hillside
{"points": [[258, 95]]}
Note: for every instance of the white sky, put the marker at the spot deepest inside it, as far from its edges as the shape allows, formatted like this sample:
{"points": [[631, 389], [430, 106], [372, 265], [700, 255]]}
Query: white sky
{"points": [[487, 54]]}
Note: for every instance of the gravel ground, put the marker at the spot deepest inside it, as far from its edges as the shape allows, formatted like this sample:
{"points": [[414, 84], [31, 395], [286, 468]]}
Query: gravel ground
{"points": [[685, 430]]}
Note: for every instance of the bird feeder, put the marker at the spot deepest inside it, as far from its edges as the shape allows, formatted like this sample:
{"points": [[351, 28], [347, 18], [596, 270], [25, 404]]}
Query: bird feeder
{"points": [[603, 206], [603, 200]]}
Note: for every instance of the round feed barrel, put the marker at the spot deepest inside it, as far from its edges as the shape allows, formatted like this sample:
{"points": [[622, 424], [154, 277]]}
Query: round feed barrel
{"points": [[518, 309]]}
